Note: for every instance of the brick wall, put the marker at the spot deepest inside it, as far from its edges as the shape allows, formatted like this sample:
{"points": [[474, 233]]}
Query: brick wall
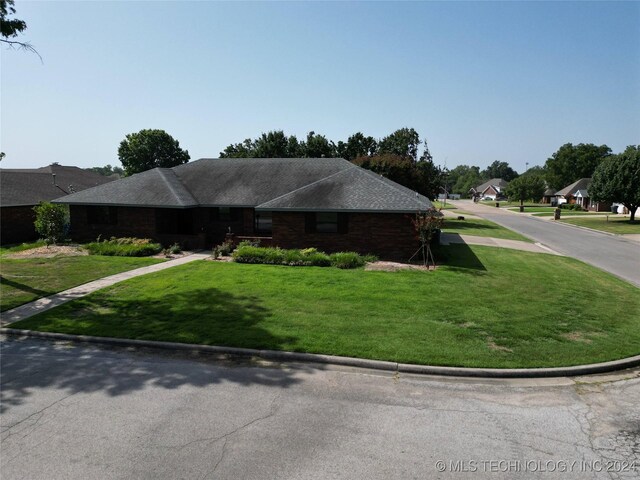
{"points": [[388, 235], [141, 222], [16, 225]]}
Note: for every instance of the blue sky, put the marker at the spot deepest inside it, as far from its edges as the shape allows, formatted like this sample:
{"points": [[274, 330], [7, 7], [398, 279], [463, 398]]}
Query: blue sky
{"points": [[481, 81]]}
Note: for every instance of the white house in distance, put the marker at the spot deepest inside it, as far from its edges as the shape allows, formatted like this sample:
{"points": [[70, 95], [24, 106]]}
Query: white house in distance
{"points": [[491, 189]]}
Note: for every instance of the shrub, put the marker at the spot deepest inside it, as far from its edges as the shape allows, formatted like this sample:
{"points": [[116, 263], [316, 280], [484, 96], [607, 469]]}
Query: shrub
{"points": [[225, 248], [175, 249], [571, 206], [52, 221], [299, 258], [347, 260], [124, 247]]}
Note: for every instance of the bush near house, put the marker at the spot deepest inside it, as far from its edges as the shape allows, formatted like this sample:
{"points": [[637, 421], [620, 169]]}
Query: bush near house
{"points": [[571, 206], [298, 258], [124, 247]]}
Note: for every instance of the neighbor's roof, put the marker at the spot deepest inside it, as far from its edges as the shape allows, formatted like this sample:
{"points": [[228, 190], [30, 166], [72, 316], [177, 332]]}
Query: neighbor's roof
{"points": [[494, 182], [582, 193], [582, 184], [30, 186], [264, 183]]}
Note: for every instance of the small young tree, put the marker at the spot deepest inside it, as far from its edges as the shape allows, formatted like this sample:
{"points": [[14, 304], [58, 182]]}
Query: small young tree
{"points": [[525, 187], [426, 225], [51, 221]]}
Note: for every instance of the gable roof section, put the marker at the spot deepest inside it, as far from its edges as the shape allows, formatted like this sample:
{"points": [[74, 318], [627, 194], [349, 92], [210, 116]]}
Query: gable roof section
{"points": [[159, 187], [582, 184], [328, 184], [494, 182], [30, 186], [251, 181], [353, 189]]}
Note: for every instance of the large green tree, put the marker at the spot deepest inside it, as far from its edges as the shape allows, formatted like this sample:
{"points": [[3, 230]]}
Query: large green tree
{"points": [[357, 145], [317, 146], [526, 187], [617, 179], [107, 170], [149, 149], [573, 162], [404, 142], [462, 178], [499, 170]]}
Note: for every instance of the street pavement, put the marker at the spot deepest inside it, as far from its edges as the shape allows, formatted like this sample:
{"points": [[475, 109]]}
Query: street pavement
{"points": [[85, 412], [611, 253]]}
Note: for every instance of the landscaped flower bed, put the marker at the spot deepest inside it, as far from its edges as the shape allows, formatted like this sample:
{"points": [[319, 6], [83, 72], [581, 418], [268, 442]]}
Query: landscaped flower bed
{"points": [[299, 258], [124, 247]]}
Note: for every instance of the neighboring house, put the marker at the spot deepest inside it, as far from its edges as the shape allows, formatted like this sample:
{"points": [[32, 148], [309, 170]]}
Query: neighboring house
{"points": [[578, 193], [22, 189], [327, 203], [549, 196], [491, 189]]}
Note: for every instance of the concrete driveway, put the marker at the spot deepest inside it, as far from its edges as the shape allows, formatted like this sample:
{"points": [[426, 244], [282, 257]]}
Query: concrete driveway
{"points": [[611, 253], [78, 412]]}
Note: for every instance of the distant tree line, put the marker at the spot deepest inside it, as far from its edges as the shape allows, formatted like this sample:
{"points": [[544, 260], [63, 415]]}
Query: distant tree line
{"points": [[567, 165], [396, 156]]}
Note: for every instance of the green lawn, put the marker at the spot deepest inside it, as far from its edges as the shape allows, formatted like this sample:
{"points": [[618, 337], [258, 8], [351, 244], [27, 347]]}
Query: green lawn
{"points": [[568, 213], [481, 228], [488, 307], [533, 209], [24, 280], [507, 203], [613, 224], [440, 205]]}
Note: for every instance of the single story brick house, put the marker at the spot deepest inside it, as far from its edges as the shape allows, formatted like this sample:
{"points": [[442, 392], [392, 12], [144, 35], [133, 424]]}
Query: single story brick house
{"points": [[327, 203], [578, 193], [22, 189]]}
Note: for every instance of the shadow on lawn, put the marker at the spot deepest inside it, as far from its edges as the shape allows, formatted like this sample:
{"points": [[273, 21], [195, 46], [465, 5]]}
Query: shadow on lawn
{"points": [[22, 286], [459, 257], [202, 316]]}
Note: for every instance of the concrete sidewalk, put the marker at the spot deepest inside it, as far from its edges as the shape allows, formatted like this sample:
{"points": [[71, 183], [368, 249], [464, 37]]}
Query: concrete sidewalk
{"points": [[448, 238], [43, 304]]}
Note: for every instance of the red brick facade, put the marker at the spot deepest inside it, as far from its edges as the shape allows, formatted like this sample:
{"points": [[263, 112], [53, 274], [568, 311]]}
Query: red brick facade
{"points": [[16, 224], [388, 235]]}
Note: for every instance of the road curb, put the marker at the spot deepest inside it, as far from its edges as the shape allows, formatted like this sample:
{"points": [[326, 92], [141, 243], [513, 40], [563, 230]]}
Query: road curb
{"points": [[573, 371]]}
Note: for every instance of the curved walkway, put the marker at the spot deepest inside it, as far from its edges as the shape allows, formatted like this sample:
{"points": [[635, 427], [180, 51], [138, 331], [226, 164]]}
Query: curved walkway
{"points": [[42, 304]]}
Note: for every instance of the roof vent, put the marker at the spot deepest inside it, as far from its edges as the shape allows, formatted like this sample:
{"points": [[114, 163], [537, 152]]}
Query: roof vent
{"points": [[54, 179], [71, 189]]}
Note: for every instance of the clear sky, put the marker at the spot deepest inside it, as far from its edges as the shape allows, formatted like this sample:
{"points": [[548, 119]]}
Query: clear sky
{"points": [[481, 81]]}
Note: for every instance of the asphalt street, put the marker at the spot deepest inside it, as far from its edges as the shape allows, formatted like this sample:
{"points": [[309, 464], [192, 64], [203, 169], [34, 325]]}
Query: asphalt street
{"points": [[611, 253], [83, 412]]}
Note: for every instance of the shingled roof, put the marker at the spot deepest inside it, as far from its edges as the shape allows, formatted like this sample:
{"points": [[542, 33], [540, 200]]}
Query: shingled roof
{"points": [[30, 186], [319, 184], [582, 184], [495, 182]]}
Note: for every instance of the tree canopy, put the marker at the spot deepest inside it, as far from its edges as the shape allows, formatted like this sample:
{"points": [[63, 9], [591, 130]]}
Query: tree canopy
{"points": [[617, 179], [526, 187], [394, 156], [107, 170], [149, 149], [499, 170], [573, 162], [10, 28]]}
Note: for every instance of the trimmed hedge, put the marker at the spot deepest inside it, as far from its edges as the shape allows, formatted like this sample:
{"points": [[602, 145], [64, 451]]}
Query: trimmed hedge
{"points": [[298, 258], [124, 247]]}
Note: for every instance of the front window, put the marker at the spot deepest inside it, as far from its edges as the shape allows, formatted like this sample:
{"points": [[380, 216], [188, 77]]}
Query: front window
{"points": [[264, 222], [326, 222]]}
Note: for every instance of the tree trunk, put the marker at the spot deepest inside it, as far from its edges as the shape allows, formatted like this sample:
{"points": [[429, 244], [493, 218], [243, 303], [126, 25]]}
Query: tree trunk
{"points": [[632, 211]]}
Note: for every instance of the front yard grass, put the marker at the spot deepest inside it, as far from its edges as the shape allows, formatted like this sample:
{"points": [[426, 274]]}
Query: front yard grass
{"points": [[613, 224], [488, 307], [25, 280], [481, 228]]}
